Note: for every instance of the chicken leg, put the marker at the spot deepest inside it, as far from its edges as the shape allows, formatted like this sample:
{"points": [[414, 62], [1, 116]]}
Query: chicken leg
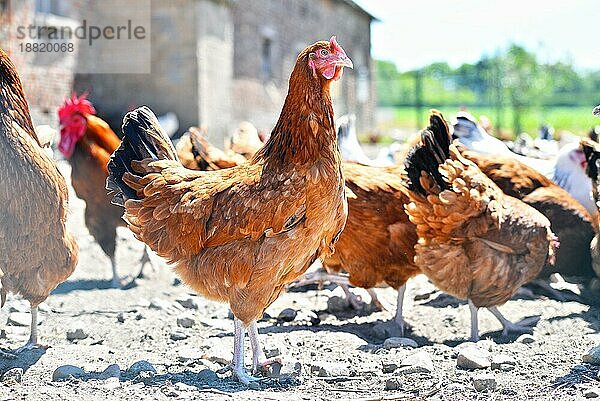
{"points": [[145, 259], [321, 276], [474, 322], [116, 280], [399, 318], [259, 360], [32, 343]]}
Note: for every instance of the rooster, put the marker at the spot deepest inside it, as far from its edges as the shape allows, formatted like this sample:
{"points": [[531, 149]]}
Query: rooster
{"points": [[36, 251], [567, 169], [474, 242], [239, 235], [87, 142]]}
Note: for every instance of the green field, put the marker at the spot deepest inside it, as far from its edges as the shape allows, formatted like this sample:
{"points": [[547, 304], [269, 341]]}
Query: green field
{"points": [[578, 120]]}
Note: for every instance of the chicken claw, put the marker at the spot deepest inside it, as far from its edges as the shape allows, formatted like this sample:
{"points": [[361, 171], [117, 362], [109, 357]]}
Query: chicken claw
{"points": [[7, 355], [524, 326]]}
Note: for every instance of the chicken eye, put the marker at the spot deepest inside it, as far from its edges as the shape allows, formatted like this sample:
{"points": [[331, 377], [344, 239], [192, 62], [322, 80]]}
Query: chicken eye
{"points": [[324, 53]]}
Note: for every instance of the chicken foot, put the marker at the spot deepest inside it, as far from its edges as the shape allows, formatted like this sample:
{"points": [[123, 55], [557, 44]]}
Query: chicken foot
{"points": [[509, 327], [259, 360], [145, 259], [116, 280], [399, 318], [321, 276]]}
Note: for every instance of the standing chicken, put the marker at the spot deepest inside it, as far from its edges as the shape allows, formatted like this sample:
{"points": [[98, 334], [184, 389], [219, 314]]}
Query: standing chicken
{"points": [[239, 235], [87, 142], [474, 242], [569, 220], [196, 153], [36, 251]]}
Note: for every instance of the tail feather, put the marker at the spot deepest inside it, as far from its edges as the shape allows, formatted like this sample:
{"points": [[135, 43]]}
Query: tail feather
{"points": [[143, 139], [427, 156]]}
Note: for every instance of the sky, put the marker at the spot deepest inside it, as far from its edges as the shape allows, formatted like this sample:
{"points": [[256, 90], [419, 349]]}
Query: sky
{"points": [[414, 34]]}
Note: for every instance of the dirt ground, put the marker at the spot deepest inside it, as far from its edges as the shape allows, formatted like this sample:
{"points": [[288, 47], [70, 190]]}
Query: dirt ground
{"points": [[328, 353]]}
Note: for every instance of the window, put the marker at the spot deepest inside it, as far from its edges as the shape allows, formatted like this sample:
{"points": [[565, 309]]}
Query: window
{"points": [[267, 65]]}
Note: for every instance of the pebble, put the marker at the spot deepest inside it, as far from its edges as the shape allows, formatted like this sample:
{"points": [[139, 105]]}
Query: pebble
{"points": [[399, 342], [76, 334], [473, 357], [487, 345], [337, 304], [186, 320], [456, 387], [19, 319], [389, 367], [419, 362], [526, 339], [387, 329], [111, 371], [484, 382], [178, 335], [12, 376], [207, 376], [180, 386], [503, 362], [287, 315], [393, 384], [140, 366], [67, 372], [289, 367], [121, 317], [592, 356], [593, 392], [272, 352], [218, 355], [188, 302], [329, 369]]}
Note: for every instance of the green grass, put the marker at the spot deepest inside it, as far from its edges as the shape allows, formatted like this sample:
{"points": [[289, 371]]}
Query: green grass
{"points": [[578, 120]]}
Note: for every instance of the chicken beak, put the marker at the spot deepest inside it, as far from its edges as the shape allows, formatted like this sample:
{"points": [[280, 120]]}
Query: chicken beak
{"points": [[344, 61]]}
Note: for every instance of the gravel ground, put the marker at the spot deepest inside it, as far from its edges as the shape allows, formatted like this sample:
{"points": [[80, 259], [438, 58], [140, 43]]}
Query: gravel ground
{"points": [[328, 351]]}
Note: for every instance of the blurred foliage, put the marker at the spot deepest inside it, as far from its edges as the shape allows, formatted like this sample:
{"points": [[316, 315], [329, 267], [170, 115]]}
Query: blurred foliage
{"points": [[513, 79]]}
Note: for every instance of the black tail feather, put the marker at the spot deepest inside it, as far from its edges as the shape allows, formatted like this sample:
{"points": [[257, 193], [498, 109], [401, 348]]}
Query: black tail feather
{"points": [[433, 150], [143, 138]]}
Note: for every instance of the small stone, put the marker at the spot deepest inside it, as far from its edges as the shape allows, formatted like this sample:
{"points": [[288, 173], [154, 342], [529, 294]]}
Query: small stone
{"points": [[12, 376], [186, 354], [387, 329], [484, 382], [393, 384], [112, 383], [67, 372], [272, 352], [329, 369], [593, 392], [76, 334], [592, 356], [419, 362], [399, 342], [336, 304], [287, 315], [473, 357], [145, 377], [140, 366], [503, 362], [207, 376], [217, 354], [188, 302], [526, 339], [389, 367], [178, 335], [121, 317], [289, 367], [186, 321], [456, 387], [182, 387], [19, 319], [111, 371]]}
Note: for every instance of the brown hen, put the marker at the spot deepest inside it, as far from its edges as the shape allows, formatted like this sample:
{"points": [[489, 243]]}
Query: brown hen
{"points": [[36, 251], [239, 235], [196, 153], [474, 241]]}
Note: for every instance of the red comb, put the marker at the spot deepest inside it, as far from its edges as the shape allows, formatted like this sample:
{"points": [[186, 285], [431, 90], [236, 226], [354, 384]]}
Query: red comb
{"points": [[334, 44], [76, 104]]}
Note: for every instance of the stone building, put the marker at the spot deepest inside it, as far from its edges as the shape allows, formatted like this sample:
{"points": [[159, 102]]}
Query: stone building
{"points": [[213, 62], [47, 78]]}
